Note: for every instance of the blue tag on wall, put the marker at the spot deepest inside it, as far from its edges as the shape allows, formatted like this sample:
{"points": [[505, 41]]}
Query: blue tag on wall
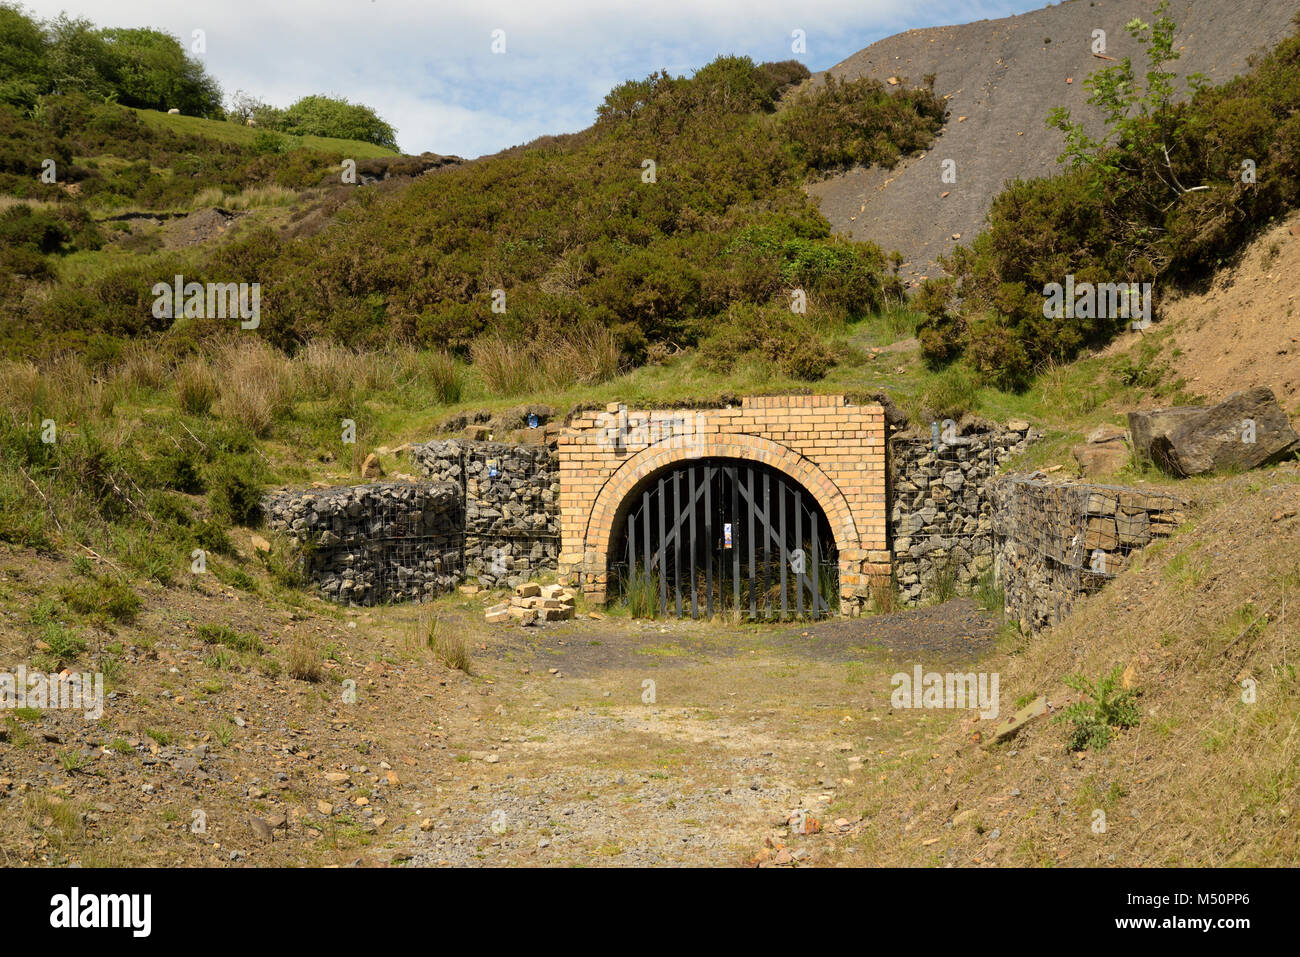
{"points": [[532, 420], [492, 468]]}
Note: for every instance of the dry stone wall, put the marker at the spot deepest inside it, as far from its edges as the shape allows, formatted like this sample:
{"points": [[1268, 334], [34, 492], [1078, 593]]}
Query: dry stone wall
{"points": [[1054, 542], [941, 516], [383, 542]]}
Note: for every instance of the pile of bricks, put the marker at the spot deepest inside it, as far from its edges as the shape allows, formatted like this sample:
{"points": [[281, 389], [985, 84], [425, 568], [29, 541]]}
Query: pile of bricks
{"points": [[532, 603]]}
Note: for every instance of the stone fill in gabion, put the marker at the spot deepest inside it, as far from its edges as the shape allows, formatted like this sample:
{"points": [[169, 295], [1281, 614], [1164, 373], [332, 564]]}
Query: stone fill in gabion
{"points": [[941, 517], [375, 543], [512, 518]]}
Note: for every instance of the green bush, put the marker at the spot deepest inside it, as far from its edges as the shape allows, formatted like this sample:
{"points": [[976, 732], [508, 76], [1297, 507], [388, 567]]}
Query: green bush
{"points": [[107, 598], [1092, 722], [860, 122], [235, 492], [329, 116], [1159, 198], [788, 341]]}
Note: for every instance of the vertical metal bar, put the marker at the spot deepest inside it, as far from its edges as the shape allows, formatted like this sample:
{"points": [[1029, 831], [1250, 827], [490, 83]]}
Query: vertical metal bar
{"points": [[733, 475], [631, 550], [663, 577], [709, 540], [781, 531], [677, 541], [798, 543], [645, 535], [753, 605], [695, 609], [816, 573], [767, 545]]}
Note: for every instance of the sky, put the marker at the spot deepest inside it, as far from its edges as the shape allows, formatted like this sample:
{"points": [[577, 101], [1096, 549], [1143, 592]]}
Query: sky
{"points": [[429, 68]]}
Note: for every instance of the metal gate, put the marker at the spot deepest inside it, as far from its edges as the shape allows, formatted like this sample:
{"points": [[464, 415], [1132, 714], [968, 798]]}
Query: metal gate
{"points": [[716, 536]]}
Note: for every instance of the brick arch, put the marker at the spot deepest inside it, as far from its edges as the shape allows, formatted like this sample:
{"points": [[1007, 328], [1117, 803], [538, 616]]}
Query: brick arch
{"points": [[598, 532]]}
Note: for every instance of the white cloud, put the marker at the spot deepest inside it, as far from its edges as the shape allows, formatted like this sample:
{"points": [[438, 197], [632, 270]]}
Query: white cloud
{"points": [[428, 69]]}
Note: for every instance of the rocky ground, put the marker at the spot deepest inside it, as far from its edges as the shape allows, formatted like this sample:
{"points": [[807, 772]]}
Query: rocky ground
{"points": [[588, 742]]}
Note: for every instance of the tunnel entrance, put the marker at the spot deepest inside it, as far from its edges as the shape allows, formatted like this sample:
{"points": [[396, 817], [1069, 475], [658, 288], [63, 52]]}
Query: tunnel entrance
{"points": [[722, 536]]}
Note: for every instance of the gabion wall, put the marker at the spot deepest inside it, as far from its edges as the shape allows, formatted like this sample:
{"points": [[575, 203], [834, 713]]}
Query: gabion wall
{"points": [[367, 544], [512, 516], [1056, 541], [941, 517]]}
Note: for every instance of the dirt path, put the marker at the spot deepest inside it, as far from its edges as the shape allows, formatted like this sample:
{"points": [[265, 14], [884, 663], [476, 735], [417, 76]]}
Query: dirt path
{"points": [[680, 743], [590, 742]]}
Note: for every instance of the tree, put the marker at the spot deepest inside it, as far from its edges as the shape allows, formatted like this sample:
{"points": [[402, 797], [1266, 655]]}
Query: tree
{"points": [[24, 63], [328, 116], [153, 72], [1142, 122], [79, 59], [243, 107]]}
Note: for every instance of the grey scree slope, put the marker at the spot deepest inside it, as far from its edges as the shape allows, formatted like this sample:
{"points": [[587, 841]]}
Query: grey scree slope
{"points": [[1005, 79]]}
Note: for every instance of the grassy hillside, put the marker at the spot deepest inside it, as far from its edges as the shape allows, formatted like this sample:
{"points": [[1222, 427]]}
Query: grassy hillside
{"points": [[1208, 776], [228, 132], [577, 234]]}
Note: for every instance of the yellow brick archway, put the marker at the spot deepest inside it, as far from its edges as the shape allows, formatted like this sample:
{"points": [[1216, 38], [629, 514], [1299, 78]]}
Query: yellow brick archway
{"points": [[655, 458], [833, 449]]}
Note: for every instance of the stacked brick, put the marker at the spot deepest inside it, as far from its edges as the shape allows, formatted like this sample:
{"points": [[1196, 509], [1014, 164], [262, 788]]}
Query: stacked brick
{"points": [[833, 449]]}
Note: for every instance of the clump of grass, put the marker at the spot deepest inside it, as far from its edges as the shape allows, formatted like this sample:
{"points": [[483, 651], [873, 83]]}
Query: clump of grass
{"points": [[141, 367], [64, 644], [587, 354], [304, 660], [223, 733], [219, 658], [943, 586], [443, 374], [895, 321], [71, 760], [990, 595], [450, 648], [949, 394], [257, 385], [104, 598], [884, 593], [507, 366], [641, 595], [1092, 722], [59, 820], [196, 388], [286, 562], [256, 196], [229, 638]]}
